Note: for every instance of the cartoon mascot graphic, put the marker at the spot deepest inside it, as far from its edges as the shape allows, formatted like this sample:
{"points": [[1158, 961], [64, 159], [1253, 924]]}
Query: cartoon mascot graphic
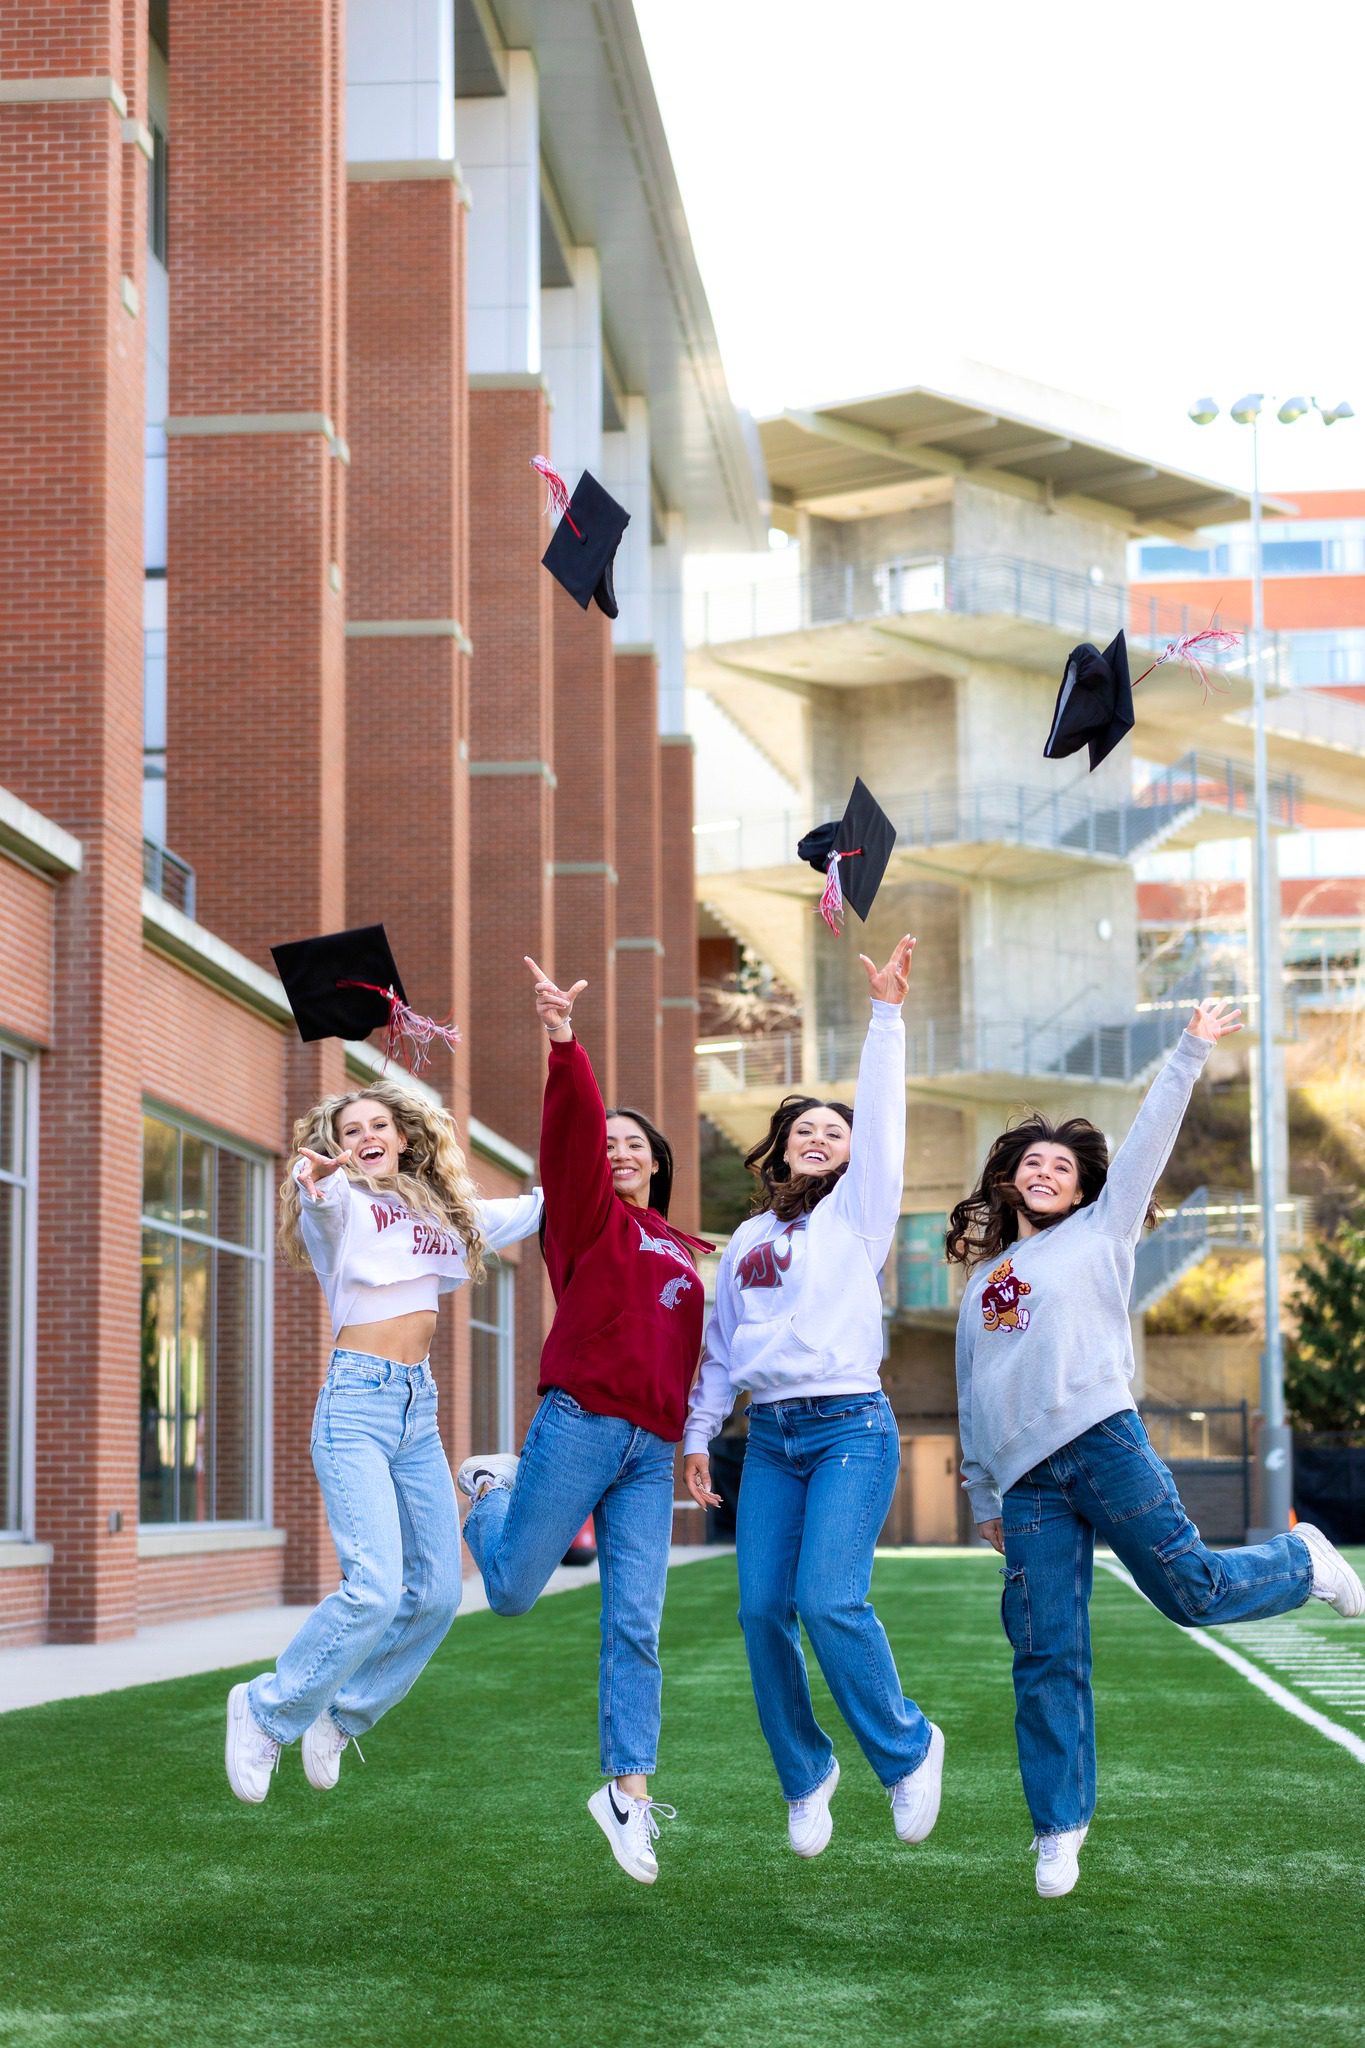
{"points": [[1002, 1297]]}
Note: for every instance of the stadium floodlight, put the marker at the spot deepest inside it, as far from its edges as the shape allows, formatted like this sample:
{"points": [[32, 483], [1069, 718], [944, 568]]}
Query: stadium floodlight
{"points": [[1203, 412], [1340, 411], [1292, 409], [1247, 409]]}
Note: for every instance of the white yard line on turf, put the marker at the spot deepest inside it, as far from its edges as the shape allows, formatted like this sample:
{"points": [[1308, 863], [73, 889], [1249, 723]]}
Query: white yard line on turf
{"points": [[1345, 1738]]}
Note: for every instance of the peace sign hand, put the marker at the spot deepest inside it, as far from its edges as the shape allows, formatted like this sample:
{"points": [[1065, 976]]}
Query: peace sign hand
{"points": [[554, 1005], [888, 984], [1214, 1018], [316, 1166]]}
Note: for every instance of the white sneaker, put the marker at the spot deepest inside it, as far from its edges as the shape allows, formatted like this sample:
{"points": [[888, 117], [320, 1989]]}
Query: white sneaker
{"points": [[494, 1468], [629, 1825], [252, 1755], [915, 1799], [809, 1821], [1059, 1862], [322, 1746], [1334, 1580]]}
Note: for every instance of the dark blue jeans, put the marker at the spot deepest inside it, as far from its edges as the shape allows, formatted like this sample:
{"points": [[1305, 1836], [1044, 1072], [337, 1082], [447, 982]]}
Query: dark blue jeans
{"points": [[817, 1486], [1109, 1483]]}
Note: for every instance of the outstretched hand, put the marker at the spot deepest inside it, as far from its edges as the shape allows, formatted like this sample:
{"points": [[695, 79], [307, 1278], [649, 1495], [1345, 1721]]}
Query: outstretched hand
{"points": [[554, 1005], [1214, 1018], [888, 984], [316, 1166]]}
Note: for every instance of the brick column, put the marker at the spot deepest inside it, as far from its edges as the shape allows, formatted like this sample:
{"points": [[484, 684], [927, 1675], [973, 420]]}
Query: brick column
{"points": [[72, 367], [585, 862], [679, 927], [640, 939], [511, 717], [256, 734], [407, 739]]}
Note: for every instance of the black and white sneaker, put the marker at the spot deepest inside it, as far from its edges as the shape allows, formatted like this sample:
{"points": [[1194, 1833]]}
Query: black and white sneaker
{"points": [[630, 1827], [477, 1476]]}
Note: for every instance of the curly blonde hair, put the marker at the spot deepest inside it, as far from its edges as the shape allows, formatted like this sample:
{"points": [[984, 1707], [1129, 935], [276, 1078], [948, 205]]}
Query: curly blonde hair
{"points": [[433, 1181]]}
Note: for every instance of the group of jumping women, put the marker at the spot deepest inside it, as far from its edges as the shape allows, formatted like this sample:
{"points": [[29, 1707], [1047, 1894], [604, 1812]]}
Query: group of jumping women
{"points": [[379, 1201]]}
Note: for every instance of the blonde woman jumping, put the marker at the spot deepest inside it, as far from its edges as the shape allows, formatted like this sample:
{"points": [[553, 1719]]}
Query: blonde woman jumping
{"points": [[379, 1202]]}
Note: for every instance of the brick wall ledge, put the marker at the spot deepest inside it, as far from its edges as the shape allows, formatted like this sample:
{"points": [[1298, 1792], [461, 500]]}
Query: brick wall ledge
{"points": [[195, 1538], [19, 92], [20, 1556], [190, 945], [500, 1149], [35, 840]]}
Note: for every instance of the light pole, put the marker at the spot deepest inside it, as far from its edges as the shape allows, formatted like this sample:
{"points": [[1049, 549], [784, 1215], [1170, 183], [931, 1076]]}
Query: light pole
{"points": [[1276, 1449]]}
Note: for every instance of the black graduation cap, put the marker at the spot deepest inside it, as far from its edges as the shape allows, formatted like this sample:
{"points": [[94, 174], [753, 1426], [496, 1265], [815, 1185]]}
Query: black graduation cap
{"points": [[862, 839], [1095, 703], [583, 547], [346, 985]]}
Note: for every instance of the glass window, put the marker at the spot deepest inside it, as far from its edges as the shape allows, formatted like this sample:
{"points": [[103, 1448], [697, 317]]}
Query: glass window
{"points": [[921, 1272], [15, 1306], [203, 1328], [492, 1406]]}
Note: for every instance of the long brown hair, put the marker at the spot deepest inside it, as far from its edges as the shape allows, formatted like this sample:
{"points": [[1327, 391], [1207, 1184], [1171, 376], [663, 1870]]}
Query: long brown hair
{"points": [[432, 1179], [789, 1195], [987, 1221]]}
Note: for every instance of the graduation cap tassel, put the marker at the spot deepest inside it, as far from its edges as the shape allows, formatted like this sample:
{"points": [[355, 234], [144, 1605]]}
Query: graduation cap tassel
{"points": [[558, 499], [1213, 639], [832, 902], [407, 1028]]}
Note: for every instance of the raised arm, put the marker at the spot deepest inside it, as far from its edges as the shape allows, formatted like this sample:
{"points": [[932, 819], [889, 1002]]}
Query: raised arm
{"points": [[1138, 1164], [869, 1193], [573, 1128], [508, 1219]]}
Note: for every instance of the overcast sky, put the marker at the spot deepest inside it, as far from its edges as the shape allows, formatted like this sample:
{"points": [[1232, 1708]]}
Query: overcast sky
{"points": [[1136, 205]]}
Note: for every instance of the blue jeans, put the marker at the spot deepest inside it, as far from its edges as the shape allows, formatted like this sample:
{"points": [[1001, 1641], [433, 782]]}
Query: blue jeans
{"points": [[817, 1485], [573, 1465], [391, 1506], [1109, 1482]]}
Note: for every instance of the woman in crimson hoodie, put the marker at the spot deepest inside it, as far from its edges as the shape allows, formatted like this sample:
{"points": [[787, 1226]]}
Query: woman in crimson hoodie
{"points": [[615, 1373]]}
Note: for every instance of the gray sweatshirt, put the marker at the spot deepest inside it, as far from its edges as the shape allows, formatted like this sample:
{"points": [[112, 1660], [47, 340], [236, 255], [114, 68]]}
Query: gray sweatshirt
{"points": [[1044, 1345]]}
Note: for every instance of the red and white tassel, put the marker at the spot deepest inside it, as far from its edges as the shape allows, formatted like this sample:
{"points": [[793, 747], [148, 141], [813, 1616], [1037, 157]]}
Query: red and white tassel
{"points": [[408, 1028], [832, 902], [558, 500], [1213, 639]]}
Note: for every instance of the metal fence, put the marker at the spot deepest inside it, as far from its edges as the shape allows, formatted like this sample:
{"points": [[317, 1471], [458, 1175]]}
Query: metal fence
{"points": [[167, 876], [1209, 1453]]}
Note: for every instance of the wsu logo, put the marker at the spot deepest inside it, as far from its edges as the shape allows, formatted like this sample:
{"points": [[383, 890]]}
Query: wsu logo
{"points": [[672, 1291], [1000, 1302], [766, 1263]]}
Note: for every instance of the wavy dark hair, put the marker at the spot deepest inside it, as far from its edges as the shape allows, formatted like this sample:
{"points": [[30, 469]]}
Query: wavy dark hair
{"points": [[987, 1221], [661, 1184], [789, 1195]]}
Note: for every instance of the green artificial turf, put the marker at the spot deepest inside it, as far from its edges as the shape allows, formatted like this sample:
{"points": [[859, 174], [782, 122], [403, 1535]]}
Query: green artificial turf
{"points": [[453, 1889]]}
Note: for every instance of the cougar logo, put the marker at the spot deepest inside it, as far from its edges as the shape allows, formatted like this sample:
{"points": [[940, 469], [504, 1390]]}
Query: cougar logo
{"points": [[663, 1245], [672, 1291], [1000, 1301], [766, 1263]]}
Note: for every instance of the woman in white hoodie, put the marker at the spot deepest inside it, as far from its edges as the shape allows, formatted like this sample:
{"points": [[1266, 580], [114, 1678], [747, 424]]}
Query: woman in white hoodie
{"points": [[798, 1324]]}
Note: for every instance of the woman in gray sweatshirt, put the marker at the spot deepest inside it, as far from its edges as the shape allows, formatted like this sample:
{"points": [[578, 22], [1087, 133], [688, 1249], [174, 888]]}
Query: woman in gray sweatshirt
{"points": [[1053, 1452]]}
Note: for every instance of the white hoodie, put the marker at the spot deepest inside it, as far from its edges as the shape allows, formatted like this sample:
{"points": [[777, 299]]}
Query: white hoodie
{"points": [[375, 1259], [798, 1310]]}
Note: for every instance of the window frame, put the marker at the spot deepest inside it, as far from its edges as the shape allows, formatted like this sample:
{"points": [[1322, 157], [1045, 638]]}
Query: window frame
{"points": [[504, 1330], [24, 1391], [263, 1404]]}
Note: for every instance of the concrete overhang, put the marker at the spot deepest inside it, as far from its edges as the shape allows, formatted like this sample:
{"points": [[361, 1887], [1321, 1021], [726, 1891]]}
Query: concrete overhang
{"points": [[608, 182], [872, 455]]}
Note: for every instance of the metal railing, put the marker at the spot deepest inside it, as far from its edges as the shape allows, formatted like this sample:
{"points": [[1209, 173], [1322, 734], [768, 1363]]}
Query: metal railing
{"points": [[1056, 1050], [977, 585], [1179, 1242], [167, 876], [1324, 718], [1012, 814]]}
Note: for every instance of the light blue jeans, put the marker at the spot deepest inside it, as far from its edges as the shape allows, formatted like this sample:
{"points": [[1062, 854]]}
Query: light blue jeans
{"points": [[817, 1486], [573, 1465], [1110, 1483], [390, 1502]]}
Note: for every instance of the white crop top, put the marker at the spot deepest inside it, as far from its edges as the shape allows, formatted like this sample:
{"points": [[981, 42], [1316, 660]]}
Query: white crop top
{"points": [[374, 1258]]}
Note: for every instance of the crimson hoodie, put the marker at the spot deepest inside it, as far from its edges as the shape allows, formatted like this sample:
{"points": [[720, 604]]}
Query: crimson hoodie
{"points": [[627, 1327]]}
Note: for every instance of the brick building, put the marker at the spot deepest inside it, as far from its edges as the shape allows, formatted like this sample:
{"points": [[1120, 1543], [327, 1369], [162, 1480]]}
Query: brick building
{"points": [[291, 295]]}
